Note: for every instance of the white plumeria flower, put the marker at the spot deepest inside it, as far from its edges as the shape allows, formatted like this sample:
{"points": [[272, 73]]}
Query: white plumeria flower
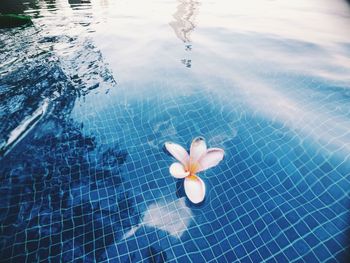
{"points": [[199, 159]]}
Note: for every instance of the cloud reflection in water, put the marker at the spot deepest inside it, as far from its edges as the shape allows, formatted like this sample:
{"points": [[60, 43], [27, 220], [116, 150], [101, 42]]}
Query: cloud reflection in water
{"points": [[173, 217]]}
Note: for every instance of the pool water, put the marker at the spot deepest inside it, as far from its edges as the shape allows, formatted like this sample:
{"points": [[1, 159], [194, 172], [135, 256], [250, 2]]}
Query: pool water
{"points": [[92, 90]]}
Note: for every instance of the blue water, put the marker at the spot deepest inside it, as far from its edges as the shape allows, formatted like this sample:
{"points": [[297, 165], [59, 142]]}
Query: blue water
{"points": [[91, 92]]}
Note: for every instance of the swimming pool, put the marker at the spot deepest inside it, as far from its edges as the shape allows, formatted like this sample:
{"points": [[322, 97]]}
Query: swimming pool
{"points": [[90, 93]]}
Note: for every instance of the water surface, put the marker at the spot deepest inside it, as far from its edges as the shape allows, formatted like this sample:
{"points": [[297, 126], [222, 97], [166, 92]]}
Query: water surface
{"points": [[90, 93]]}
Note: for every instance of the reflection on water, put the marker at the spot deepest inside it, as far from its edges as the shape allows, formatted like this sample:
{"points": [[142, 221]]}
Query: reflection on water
{"points": [[79, 3], [89, 180], [44, 73], [184, 24], [39, 63], [18, 6], [185, 16], [173, 217]]}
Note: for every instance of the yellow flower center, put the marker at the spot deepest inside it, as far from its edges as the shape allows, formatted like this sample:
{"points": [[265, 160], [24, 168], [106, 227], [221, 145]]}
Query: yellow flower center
{"points": [[192, 168], [192, 177]]}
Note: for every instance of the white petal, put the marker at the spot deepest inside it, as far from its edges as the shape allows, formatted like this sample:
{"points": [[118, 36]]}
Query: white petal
{"points": [[198, 149], [178, 171], [210, 159], [178, 152], [194, 189]]}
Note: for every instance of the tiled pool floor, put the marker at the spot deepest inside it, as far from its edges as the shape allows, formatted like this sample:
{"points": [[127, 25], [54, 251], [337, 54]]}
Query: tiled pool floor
{"points": [[90, 181]]}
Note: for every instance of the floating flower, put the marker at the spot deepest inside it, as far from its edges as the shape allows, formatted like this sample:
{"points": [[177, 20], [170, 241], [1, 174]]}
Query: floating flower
{"points": [[199, 159]]}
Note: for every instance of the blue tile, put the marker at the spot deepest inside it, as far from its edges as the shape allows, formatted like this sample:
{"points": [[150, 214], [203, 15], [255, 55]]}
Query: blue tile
{"points": [[242, 235], [258, 242], [240, 251], [291, 234], [321, 252], [310, 257], [197, 257], [301, 247], [273, 247], [282, 258], [255, 257], [230, 256], [282, 241], [207, 254], [333, 246], [311, 240]]}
